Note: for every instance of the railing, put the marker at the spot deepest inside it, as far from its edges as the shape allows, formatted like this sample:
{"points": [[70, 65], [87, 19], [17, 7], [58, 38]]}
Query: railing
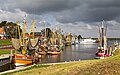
{"points": [[112, 49], [5, 46], [4, 61]]}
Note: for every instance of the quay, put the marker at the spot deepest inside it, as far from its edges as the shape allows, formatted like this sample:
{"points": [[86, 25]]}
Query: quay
{"points": [[4, 59], [26, 67], [6, 62]]}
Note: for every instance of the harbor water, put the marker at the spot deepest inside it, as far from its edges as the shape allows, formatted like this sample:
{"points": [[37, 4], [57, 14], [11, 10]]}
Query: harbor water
{"points": [[75, 53], [72, 53]]}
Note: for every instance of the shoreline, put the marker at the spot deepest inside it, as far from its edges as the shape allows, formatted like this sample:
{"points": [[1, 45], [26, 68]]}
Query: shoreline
{"points": [[73, 67], [25, 67]]}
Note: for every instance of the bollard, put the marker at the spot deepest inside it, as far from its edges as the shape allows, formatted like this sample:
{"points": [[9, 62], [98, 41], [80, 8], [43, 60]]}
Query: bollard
{"points": [[110, 51], [119, 45]]}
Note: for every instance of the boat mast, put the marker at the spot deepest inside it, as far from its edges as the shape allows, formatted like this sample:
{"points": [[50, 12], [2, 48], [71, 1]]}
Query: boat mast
{"points": [[102, 35], [99, 37], [103, 38], [45, 28], [23, 36], [19, 36], [24, 29], [32, 28]]}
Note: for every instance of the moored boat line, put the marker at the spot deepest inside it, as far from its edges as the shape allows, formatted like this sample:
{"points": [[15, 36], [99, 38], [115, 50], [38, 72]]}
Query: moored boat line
{"points": [[29, 48]]}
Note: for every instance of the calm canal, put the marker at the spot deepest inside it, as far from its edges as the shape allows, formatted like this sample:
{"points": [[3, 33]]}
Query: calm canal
{"points": [[75, 53], [71, 53]]}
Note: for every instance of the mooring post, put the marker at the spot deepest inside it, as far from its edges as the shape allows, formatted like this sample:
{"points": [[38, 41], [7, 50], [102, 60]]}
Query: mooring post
{"points": [[11, 52], [119, 45], [110, 51]]}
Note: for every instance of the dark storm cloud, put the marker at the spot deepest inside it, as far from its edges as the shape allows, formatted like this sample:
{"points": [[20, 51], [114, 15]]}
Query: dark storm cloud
{"points": [[103, 3], [92, 11], [43, 6], [70, 11]]}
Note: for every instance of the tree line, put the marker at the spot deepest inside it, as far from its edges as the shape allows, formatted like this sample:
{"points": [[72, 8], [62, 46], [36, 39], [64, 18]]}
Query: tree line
{"points": [[10, 28]]}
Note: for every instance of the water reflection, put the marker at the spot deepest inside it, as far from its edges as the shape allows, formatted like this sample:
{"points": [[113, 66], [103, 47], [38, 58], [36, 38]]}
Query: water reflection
{"points": [[71, 53]]}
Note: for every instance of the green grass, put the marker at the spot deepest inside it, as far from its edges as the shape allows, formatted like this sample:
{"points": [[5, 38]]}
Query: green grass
{"points": [[32, 67], [116, 52], [107, 66], [4, 52], [5, 42]]}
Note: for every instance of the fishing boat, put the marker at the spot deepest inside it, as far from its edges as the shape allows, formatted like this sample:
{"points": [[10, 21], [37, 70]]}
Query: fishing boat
{"points": [[54, 50], [56, 44], [68, 40], [87, 41], [102, 51], [42, 50], [68, 43], [20, 58], [25, 52], [74, 40]]}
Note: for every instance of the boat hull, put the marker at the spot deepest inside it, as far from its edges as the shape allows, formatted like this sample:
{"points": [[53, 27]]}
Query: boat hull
{"points": [[22, 60], [42, 53], [53, 52], [99, 57], [68, 43]]}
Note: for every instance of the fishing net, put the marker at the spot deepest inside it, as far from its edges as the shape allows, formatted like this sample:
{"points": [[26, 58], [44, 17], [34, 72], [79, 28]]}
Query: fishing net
{"points": [[33, 42], [16, 43], [25, 44]]}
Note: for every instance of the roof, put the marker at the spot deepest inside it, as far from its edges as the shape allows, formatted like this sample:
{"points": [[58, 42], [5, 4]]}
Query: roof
{"points": [[4, 35], [37, 33], [1, 30]]}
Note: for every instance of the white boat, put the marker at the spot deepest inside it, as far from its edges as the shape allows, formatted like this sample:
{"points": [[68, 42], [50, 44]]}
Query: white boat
{"points": [[87, 41], [75, 42]]}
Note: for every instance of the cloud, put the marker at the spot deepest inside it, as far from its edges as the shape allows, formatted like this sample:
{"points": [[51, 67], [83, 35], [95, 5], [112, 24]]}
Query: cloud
{"points": [[10, 16], [92, 11], [43, 6], [81, 15], [66, 11]]}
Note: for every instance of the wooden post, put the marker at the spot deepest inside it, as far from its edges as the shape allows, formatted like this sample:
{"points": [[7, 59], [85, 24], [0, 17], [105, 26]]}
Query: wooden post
{"points": [[119, 45], [11, 53], [110, 51]]}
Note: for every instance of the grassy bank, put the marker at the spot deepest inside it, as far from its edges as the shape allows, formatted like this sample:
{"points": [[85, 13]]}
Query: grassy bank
{"points": [[5, 42], [4, 52], [108, 66]]}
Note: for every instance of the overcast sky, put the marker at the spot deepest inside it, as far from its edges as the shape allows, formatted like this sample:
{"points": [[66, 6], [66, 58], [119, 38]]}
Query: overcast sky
{"points": [[75, 16]]}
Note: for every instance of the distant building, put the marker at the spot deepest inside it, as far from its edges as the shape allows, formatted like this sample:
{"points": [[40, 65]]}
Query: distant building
{"points": [[38, 34], [2, 33]]}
